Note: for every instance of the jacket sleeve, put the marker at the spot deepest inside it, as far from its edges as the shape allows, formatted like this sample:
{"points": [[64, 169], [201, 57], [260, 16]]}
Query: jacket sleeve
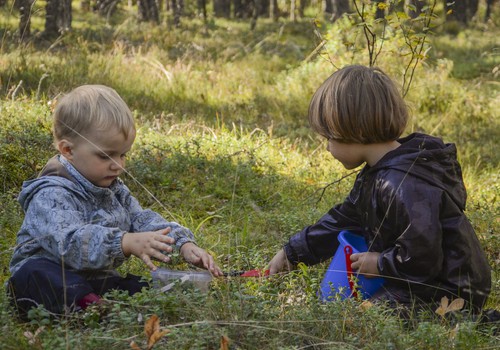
{"points": [[55, 221], [143, 220], [412, 230], [318, 242]]}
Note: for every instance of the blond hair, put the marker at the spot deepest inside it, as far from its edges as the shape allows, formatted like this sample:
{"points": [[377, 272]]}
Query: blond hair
{"points": [[358, 104], [91, 108]]}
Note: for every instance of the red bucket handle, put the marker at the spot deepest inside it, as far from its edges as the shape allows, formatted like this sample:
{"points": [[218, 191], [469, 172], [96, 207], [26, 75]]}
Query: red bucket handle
{"points": [[350, 276]]}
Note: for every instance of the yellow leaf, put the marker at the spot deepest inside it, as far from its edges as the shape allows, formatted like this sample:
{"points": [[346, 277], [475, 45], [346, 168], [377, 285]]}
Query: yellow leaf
{"points": [[454, 332], [441, 310], [365, 305], [134, 346], [156, 336], [30, 337], [224, 343], [152, 325], [456, 305]]}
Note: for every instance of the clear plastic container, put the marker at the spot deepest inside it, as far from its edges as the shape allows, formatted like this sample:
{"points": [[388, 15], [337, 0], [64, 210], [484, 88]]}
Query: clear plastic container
{"points": [[166, 279]]}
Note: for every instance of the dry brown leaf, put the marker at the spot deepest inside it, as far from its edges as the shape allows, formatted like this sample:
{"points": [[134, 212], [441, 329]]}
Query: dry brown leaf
{"points": [[454, 332], [445, 307], [134, 345], [456, 305], [156, 336], [365, 305], [33, 338], [441, 310], [152, 325], [224, 343]]}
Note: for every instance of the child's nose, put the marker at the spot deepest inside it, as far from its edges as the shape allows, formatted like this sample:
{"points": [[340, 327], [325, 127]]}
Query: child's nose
{"points": [[117, 164]]}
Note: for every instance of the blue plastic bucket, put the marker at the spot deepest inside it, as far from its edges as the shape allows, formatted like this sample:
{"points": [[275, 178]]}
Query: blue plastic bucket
{"points": [[340, 279]]}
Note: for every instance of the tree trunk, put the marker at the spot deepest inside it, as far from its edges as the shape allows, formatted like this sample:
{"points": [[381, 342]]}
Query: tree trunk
{"points": [[489, 4], [106, 7], [273, 9], [414, 7], [177, 8], [148, 11], [264, 8], [202, 9], [57, 17], [380, 13], [302, 8], [24, 7], [255, 14], [338, 9], [222, 8], [328, 6], [461, 11]]}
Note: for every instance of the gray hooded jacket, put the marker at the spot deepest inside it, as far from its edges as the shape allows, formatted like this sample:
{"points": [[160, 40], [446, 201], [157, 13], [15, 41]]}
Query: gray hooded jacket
{"points": [[71, 221]]}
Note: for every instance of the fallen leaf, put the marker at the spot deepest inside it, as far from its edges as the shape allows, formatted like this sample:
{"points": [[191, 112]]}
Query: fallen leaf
{"points": [[152, 325], [454, 332], [224, 343], [156, 336], [32, 338], [456, 305], [445, 307], [365, 305], [134, 345], [441, 310]]}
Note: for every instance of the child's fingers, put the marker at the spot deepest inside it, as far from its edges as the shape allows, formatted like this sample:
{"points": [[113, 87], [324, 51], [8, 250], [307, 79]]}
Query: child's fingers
{"points": [[164, 231], [279, 262], [355, 257], [162, 245], [217, 272], [158, 255], [208, 261], [355, 261], [163, 238], [148, 263]]}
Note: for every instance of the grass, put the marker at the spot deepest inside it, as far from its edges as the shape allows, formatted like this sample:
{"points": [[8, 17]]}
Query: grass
{"points": [[224, 148]]}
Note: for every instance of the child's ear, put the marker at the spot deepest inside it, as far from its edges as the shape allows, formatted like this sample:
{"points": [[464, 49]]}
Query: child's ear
{"points": [[65, 147]]}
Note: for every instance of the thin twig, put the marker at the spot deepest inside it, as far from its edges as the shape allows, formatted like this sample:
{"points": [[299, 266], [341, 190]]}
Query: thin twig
{"points": [[323, 190]]}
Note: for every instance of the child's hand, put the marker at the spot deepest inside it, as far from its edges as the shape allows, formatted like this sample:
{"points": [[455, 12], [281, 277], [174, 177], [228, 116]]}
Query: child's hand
{"points": [[366, 263], [148, 245], [199, 257], [279, 263]]}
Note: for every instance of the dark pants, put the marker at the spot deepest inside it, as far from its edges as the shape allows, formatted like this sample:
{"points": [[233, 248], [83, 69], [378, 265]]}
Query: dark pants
{"points": [[44, 282]]}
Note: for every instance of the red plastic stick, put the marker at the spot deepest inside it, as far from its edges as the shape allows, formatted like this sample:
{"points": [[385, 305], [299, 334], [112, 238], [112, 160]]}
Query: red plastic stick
{"points": [[255, 273], [350, 276]]}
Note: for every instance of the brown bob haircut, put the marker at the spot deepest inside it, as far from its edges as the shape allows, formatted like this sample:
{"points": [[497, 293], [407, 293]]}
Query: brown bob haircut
{"points": [[358, 104]]}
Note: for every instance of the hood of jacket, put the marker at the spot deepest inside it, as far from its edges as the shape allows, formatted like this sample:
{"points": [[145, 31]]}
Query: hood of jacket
{"points": [[430, 159], [59, 172]]}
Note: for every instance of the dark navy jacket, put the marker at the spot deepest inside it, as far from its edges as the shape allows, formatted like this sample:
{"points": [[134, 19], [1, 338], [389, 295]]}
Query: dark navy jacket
{"points": [[410, 208]]}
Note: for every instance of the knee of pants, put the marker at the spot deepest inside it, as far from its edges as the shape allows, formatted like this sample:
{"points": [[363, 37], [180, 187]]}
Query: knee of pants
{"points": [[41, 281]]}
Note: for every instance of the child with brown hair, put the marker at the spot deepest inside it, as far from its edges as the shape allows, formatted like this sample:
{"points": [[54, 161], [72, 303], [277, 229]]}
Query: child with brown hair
{"points": [[408, 201], [81, 221]]}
